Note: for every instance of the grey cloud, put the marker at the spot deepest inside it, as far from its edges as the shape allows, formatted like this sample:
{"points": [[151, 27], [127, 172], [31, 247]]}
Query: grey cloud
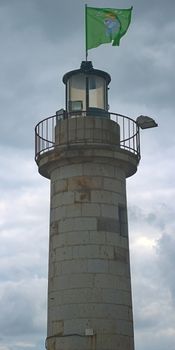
{"points": [[166, 256], [159, 216], [153, 308], [21, 310], [156, 341], [153, 274], [38, 37], [40, 41], [18, 171], [150, 77]]}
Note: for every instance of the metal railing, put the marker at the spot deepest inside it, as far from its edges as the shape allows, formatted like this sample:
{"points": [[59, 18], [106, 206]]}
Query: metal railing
{"points": [[45, 132]]}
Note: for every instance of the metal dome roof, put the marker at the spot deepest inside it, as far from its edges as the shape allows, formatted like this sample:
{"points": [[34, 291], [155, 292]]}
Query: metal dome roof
{"points": [[87, 68]]}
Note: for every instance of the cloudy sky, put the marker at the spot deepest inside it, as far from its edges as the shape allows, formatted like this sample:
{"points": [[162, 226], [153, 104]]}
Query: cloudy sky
{"points": [[40, 41]]}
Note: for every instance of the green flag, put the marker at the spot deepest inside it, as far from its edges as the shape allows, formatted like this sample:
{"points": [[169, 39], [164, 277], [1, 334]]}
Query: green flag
{"points": [[106, 25]]}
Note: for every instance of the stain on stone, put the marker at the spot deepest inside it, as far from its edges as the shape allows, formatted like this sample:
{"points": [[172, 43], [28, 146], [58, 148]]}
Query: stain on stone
{"points": [[54, 228], [120, 254], [58, 327], [108, 224], [50, 344], [82, 196], [79, 182], [93, 342], [83, 182]]}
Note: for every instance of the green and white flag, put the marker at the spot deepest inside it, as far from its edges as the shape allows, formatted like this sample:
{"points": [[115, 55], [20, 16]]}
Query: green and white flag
{"points": [[106, 25]]}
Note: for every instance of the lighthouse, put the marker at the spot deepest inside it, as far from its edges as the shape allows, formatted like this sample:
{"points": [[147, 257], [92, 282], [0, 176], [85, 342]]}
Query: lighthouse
{"points": [[87, 153]]}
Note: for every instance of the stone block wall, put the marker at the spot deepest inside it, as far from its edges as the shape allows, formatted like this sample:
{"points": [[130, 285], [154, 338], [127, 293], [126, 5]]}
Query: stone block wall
{"points": [[89, 273]]}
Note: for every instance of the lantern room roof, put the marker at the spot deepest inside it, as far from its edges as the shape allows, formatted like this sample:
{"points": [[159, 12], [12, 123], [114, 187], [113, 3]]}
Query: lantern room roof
{"points": [[87, 68]]}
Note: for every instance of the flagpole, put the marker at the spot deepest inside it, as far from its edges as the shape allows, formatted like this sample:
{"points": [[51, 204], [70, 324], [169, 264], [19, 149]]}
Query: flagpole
{"points": [[86, 50]]}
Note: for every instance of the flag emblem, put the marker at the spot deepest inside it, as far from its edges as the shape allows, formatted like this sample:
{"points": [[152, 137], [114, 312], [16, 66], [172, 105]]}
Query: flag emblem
{"points": [[112, 24]]}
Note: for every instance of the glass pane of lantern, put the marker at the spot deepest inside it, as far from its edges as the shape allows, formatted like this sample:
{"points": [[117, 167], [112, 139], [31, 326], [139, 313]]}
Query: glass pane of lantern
{"points": [[77, 93], [97, 92]]}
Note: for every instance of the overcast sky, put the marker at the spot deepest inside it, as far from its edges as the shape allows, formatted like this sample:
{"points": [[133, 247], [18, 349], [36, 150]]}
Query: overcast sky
{"points": [[40, 41]]}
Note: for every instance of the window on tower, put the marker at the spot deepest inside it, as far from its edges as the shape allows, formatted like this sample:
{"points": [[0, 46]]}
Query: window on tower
{"points": [[123, 222]]}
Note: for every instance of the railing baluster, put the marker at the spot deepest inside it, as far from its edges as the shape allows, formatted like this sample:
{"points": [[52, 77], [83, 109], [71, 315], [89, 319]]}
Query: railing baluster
{"points": [[133, 139], [124, 132], [47, 136], [52, 131], [39, 140]]}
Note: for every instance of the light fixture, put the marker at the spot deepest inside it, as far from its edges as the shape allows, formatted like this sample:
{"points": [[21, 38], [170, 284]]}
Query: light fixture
{"points": [[145, 122]]}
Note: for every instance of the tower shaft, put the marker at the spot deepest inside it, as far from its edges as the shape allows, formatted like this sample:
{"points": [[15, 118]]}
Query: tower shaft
{"points": [[89, 289]]}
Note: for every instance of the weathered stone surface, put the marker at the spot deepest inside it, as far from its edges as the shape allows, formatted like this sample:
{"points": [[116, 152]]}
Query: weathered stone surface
{"points": [[72, 238], [83, 196], [63, 198], [101, 196], [95, 310], [116, 239], [94, 169], [69, 281], [74, 266], [90, 209], [96, 237], [58, 327], [89, 275], [108, 224], [114, 185], [73, 210], [60, 186], [109, 211], [97, 266], [71, 170], [84, 183], [77, 224], [119, 268]]}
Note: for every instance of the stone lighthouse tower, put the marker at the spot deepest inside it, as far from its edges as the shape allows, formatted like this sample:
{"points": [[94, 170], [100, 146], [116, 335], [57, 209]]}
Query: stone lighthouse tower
{"points": [[87, 153]]}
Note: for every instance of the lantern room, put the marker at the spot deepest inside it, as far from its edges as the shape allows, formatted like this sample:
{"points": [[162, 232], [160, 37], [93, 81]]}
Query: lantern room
{"points": [[87, 91]]}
